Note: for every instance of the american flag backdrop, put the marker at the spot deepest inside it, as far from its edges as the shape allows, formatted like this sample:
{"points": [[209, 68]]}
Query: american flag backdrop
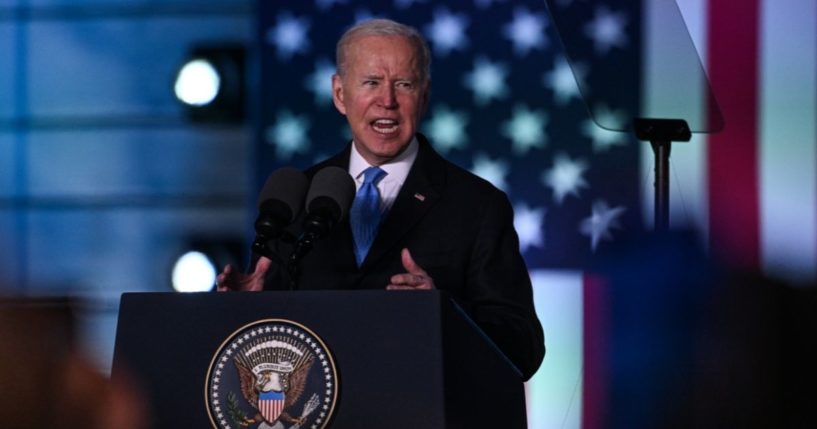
{"points": [[752, 188], [505, 104]]}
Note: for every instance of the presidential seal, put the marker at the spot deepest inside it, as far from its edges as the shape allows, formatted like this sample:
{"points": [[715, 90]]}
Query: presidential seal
{"points": [[272, 374]]}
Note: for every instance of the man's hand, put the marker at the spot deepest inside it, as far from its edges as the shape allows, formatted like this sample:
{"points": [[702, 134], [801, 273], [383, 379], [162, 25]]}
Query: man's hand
{"points": [[415, 277], [230, 279]]}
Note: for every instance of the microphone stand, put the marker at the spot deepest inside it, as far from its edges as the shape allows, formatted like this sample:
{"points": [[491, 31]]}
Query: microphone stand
{"points": [[316, 226], [302, 247]]}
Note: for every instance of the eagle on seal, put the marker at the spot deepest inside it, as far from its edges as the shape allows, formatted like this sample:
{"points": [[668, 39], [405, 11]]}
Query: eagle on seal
{"points": [[273, 393]]}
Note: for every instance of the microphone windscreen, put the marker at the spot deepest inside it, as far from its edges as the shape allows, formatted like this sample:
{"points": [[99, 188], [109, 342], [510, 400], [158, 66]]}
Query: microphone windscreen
{"points": [[283, 194], [332, 190]]}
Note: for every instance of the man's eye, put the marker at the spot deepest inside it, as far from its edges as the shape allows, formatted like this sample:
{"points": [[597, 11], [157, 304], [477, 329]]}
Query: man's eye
{"points": [[370, 83]]}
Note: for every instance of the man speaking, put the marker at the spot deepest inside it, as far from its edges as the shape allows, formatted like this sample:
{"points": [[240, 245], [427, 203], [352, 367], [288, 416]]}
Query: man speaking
{"points": [[417, 221]]}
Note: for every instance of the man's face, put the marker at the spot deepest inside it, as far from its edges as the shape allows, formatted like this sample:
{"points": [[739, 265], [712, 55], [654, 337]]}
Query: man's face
{"points": [[381, 95]]}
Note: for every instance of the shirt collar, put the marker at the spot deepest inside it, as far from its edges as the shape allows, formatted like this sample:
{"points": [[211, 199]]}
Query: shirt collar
{"points": [[396, 169]]}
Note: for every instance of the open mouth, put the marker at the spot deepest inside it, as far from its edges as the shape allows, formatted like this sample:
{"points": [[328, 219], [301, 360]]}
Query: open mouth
{"points": [[385, 126]]}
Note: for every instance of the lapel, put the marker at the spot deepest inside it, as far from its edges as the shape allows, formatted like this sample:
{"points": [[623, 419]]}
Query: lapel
{"points": [[419, 193]]}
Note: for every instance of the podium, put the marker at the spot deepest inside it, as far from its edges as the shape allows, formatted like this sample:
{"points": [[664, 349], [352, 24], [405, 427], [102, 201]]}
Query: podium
{"points": [[399, 359]]}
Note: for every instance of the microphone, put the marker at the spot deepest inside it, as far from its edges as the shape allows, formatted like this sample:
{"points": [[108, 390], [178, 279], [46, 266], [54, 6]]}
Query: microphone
{"points": [[279, 204], [327, 202]]}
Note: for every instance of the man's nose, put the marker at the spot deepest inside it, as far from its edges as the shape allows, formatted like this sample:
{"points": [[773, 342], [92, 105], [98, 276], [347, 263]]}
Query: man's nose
{"points": [[388, 97]]}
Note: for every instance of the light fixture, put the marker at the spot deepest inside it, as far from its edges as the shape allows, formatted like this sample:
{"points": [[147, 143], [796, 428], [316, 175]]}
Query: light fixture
{"points": [[198, 83], [194, 272], [211, 84], [197, 265]]}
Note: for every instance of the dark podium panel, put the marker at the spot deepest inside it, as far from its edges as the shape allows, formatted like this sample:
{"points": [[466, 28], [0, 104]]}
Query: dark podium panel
{"points": [[405, 359]]}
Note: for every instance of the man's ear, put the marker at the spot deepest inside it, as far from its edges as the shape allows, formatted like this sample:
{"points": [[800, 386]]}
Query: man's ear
{"points": [[337, 94]]}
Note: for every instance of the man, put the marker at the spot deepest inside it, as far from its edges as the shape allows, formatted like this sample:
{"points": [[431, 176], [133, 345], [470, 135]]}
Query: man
{"points": [[439, 226]]}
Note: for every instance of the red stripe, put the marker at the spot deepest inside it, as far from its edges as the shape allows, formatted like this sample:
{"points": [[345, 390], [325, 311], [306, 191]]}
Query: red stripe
{"points": [[733, 28], [270, 408], [595, 352]]}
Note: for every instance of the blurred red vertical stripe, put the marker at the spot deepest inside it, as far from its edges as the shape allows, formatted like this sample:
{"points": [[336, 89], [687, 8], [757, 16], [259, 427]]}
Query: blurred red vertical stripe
{"points": [[595, 352], [733, 63]]}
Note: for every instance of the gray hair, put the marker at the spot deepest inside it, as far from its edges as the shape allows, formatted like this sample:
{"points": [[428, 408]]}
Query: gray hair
{"points": [[384, 27]]}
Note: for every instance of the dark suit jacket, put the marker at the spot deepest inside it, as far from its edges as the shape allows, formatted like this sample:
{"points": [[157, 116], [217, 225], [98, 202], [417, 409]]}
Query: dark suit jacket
{"points": [[459, 228]]}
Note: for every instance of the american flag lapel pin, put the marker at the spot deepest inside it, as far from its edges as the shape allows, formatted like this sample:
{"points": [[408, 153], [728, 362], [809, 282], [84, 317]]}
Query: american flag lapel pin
{"points": [[420, 197]]}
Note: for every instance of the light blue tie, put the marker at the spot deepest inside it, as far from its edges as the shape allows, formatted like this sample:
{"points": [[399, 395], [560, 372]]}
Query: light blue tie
{"points": [[365, 212]]}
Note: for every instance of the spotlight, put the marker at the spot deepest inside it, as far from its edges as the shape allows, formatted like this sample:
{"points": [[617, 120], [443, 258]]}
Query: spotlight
{"points": [[194, 272], [196, 268], [211, 84], [198, 83]]}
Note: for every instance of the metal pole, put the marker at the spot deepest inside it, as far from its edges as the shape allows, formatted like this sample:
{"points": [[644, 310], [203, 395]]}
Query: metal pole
{"points": [[661, 149]]}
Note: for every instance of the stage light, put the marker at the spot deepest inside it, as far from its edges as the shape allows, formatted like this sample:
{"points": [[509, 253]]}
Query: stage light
{"points": [[194, 272], [198, 83], [201, 259], [211, 84]]}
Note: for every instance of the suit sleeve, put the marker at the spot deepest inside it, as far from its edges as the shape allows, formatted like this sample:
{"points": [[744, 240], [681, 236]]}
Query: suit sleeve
{"points": [[499, 296]]}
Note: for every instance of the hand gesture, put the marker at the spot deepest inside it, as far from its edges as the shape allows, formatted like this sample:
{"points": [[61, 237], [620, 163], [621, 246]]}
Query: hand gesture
{"points": [[232, 279], [415, 277]]}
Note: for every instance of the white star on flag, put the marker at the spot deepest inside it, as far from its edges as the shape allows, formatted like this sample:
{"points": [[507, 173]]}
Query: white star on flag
{"points": [[598, 225], [320, 82], [487, 81], [605, 138], [528, 224], [447, 128], [491, 170], [289, 35], [363, 15], [562, 80], [607, 30], [447, 31], [526, 129], [526, 31], [288, 134], [566, 177]]}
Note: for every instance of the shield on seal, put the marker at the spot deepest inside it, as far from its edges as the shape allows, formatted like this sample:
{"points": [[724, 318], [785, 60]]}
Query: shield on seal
{"points": [[271, 404]]}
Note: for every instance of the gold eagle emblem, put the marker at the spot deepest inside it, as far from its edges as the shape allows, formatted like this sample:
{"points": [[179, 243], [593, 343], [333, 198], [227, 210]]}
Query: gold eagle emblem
{"points": [[273, 375]]}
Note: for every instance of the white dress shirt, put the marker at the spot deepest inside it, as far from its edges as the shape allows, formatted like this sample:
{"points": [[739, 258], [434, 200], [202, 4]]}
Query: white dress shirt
{"points": [[396, 172]]}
